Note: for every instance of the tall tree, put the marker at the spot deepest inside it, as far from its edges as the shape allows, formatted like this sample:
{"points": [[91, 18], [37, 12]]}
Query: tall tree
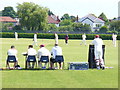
{"points": [[65, 16], [103, 17], [32, 16], [50, 13], [73, 18], [9, 11], [115, 26]]}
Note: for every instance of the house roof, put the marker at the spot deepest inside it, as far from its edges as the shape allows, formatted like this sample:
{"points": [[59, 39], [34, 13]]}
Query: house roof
{"points": [[92, 18], [7, 19], [53, 20]]}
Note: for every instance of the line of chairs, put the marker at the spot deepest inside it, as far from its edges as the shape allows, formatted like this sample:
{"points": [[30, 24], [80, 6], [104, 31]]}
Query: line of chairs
{"points": [[43, 59]]}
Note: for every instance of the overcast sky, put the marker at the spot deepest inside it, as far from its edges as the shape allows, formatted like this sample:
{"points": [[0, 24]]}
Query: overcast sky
{"points": [[72, 7]]}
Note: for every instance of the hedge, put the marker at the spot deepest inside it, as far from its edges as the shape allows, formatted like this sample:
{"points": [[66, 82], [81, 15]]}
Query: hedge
{"points": [[61, 36]]}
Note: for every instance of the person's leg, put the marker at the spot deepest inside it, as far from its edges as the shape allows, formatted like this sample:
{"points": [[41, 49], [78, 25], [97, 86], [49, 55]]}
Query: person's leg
{"points": [[15, 63], [60, 65], [33, 63], [85, 42], [81, 42], [36, 43], [56, 66], [51, 65], [101, 61], [40, 64], [115, 43], [7, 65], [45, 65], [97, 59], [28, 64]]}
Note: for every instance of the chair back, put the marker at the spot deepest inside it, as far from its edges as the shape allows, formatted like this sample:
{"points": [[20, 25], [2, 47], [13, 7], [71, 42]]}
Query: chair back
{"points": [[11, 59], [31, 59], [44, 59], [59, 58]]}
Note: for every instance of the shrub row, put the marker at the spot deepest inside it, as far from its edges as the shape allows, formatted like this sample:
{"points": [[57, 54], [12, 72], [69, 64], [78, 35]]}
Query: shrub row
{"points": [[61, 36]]}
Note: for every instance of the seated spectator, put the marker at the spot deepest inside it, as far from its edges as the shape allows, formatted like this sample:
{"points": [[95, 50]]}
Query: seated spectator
{"points": [[12, 52], [42, 52], [56, 50], [31, 52]]}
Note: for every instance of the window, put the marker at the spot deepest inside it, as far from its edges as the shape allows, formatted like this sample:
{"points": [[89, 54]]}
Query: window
{"points": [[98, 25]]}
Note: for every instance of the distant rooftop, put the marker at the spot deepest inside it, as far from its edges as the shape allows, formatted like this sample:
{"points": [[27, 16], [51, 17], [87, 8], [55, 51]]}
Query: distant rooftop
{"points": [[7, 19], [92, 17]]}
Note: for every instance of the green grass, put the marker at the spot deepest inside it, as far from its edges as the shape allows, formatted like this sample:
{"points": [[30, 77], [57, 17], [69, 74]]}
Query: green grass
{"points": [[74, 52]]}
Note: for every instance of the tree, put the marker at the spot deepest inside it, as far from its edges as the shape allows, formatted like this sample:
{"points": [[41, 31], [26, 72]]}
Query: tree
{"points": [[65, 22], [0, 13], [115, 26], [52, 27], [103, 17], [50, 13], [73, 18], [65, 28], [32, 16], [65, 16], [8, 11], [7, 26]]}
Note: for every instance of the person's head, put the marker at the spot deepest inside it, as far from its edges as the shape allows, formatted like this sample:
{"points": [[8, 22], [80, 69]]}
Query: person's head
{"points": [[30, 46], [97, 36], [56, 44], [42, 45], [12, 47]]}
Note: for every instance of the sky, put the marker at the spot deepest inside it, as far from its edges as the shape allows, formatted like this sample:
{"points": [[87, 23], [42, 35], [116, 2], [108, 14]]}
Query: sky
{"points": [[72, 7]]}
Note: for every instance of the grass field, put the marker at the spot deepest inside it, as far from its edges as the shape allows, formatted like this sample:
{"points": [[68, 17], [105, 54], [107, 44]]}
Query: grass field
{"points": [[73, 52]]}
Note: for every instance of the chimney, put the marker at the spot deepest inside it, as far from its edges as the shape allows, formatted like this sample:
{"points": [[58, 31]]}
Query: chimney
{"points": [[77, 18]]}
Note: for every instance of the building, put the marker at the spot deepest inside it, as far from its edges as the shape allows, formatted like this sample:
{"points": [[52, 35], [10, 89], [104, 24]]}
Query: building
{"points": [[93, 21], [53, 20], [8, 20]]}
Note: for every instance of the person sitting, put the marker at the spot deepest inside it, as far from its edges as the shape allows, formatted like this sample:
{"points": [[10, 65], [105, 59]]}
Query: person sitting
{"points": [[56, 51], [42, 52], [12, 52], [31, 52]]}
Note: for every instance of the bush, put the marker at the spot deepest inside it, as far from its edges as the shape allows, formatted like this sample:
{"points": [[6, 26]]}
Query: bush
{"points": [[61, 36], [111, 32], [103, 29]]}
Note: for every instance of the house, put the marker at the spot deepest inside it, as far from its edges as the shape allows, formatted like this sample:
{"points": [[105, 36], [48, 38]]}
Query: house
{"points": [[8, 20], [53, 20], [93, 21]]}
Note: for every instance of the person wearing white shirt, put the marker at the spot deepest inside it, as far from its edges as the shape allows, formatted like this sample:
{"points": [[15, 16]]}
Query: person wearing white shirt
{"points": [[56, 38], [42, 52], [83, 39], [35, 39], [31, 52], [114, 36], [97, 42], [16, 35], [56, 50], [12, 52]]}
